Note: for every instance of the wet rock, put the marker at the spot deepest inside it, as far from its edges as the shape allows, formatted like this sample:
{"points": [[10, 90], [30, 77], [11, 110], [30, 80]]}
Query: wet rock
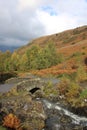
{"points": [[65, 119], [85, 128], [2, 114], [82, 111]]}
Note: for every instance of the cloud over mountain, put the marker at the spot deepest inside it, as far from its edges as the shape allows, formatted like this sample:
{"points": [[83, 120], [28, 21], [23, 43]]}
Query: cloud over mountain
{"points": [[23, 20]]}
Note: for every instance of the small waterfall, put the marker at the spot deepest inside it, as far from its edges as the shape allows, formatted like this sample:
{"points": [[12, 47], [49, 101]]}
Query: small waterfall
{"points": [[75, 118]]}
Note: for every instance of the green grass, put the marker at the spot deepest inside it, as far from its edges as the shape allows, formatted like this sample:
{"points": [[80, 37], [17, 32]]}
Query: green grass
{"points": [[84, 94]]}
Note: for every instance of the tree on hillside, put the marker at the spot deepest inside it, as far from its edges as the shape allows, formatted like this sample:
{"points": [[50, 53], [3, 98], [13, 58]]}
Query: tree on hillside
{"points": [[1, 61], [23, 62], [81, 74], [14, 62], [7, 56], [48, 57], [32, 55], [4, 61], [40, 58], [51, 54]]}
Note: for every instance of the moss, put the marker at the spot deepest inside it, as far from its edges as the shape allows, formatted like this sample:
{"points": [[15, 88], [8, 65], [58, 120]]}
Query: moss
{"points": [[36, 124]]}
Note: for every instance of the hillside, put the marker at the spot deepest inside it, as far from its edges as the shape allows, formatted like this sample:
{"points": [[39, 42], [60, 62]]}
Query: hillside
{"points": [[72, 44], [55, 54], [64, 40]]}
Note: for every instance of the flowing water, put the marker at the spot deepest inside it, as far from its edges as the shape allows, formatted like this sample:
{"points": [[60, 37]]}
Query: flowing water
{"points": [[62, 119]]}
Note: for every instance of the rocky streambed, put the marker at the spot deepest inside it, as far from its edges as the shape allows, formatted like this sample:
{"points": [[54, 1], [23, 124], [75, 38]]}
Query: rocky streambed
{"points": [[37, 108]]}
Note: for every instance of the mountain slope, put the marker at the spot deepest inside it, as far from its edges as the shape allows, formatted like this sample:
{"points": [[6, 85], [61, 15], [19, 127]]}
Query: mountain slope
{"points": [[72, 44], [62, 41]]}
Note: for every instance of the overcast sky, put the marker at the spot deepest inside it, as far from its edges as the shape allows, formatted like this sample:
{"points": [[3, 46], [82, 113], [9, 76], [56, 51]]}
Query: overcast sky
{"points": [[23, 20]]}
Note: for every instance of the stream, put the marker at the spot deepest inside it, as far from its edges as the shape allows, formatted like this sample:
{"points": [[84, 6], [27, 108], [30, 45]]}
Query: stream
{"points": [[62, 119], [58, 118]]}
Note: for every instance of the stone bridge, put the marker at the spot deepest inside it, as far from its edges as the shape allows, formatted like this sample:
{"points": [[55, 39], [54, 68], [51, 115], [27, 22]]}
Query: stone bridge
{"points": [[31, 85]]}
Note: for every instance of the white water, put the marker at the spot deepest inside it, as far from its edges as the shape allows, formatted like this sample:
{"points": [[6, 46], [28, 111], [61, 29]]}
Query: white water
{"points": [[75, 118]]}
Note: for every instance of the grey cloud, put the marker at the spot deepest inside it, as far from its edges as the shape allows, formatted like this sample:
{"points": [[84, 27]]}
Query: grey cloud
{"points": [[18, 27]]}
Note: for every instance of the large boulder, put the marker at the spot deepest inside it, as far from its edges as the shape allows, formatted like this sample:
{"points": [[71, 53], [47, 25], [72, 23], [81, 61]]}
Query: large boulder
{"points": [[29, 111]]}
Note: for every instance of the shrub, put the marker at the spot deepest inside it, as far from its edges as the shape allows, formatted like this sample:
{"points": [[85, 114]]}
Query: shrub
{"points": [[83, 94], [70, 89], [76, 54], [81, 74], [73, 91], [63, 86], [50, 89], [83, 53], [11, 121], [83, 47]]}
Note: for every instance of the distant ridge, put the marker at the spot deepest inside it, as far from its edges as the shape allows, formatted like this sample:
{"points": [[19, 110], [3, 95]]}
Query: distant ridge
{"points": [[4, 48]]}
